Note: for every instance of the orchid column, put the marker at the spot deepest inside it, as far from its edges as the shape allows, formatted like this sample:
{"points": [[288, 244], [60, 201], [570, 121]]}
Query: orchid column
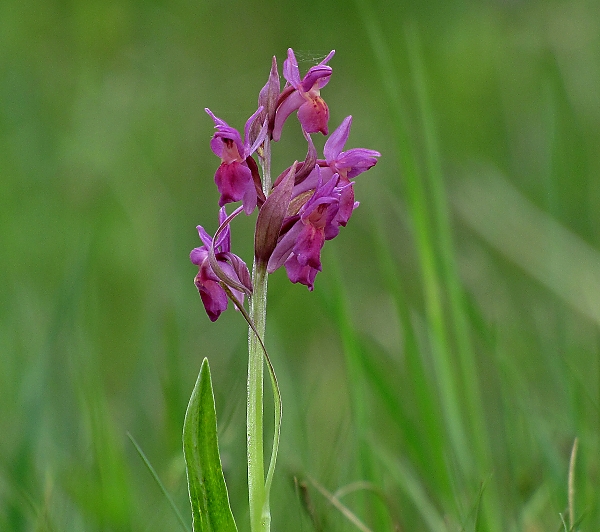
{"points": [[305, 206]]}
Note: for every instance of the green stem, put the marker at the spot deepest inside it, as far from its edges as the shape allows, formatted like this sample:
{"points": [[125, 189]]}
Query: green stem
{"points": [[260, 518], [254, 420]]}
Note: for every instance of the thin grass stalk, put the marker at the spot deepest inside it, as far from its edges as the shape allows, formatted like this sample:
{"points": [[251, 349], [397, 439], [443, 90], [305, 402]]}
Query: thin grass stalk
{"points": [[358, 398], [421, 385], [425, 238], [469, 381]]}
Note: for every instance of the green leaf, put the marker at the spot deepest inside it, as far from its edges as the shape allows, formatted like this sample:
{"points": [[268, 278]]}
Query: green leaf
{"points": [[206, 485]]}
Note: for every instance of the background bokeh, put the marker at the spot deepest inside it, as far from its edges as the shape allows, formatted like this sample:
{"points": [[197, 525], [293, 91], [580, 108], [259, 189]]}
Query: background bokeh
{"points": [[449, 355]]}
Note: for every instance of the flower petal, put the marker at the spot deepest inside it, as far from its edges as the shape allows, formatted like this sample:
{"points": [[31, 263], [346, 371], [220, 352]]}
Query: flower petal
{"points": [[356, 161], [204, 236], [233, 181], [284, 247], [198, 255], [336, 141], [318, 75], [287, 107], [218, 122], [300, 274], [225, 132], [290, 69], [222, 242]]}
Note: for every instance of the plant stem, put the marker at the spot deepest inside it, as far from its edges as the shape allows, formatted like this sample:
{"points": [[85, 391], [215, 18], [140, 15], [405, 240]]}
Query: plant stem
{"points": [[260, 518], [254, 420]]}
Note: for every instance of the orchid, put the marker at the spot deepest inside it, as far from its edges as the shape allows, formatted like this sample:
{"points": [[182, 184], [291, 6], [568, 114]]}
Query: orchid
{"points": [[304, 96], [305, 206], [237, 177]]}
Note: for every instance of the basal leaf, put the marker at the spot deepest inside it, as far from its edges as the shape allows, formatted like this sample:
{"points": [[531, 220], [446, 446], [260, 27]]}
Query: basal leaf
{"points": [[206, 485]]}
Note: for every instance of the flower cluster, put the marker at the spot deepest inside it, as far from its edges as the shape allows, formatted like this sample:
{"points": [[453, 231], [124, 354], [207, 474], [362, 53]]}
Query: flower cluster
{"points": [[306, 205]]}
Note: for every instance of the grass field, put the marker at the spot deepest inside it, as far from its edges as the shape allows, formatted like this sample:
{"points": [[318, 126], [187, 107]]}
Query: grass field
{"points": [[446, 363]]}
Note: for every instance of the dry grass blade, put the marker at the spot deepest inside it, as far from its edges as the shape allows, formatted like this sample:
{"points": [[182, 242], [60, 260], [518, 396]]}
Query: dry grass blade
{"points": [[344, 510], [571, 484]]}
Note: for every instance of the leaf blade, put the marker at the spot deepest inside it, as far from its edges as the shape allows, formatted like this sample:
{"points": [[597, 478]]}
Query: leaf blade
{"points": [[211, 511]]}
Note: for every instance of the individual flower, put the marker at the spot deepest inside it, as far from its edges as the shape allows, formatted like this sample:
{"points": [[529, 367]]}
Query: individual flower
{"points": [[304, 233], [233, 270], [237, 177], [304, 96], [347, 164]]}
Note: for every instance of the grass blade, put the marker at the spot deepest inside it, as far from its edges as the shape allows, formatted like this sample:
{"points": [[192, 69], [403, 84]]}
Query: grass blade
{"points": [[155, 476]]}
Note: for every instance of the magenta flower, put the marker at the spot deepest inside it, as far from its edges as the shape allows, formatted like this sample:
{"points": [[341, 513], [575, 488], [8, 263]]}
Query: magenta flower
{"points": [[348, 164], [237, 177], [304, 96], [303, 236], [234, 269]]}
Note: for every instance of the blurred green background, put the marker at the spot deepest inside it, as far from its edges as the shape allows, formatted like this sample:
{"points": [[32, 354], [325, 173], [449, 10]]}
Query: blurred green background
{"points": [[449, 355]]}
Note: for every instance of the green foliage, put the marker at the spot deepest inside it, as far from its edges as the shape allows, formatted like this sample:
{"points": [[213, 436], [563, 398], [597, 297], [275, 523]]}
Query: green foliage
{"points": [[449, 358], [206, 484]]}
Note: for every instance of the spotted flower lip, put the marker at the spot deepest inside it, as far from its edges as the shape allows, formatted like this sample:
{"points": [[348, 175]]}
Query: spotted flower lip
{"points": [[235, 178], [304, 96], [230, 265]]}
